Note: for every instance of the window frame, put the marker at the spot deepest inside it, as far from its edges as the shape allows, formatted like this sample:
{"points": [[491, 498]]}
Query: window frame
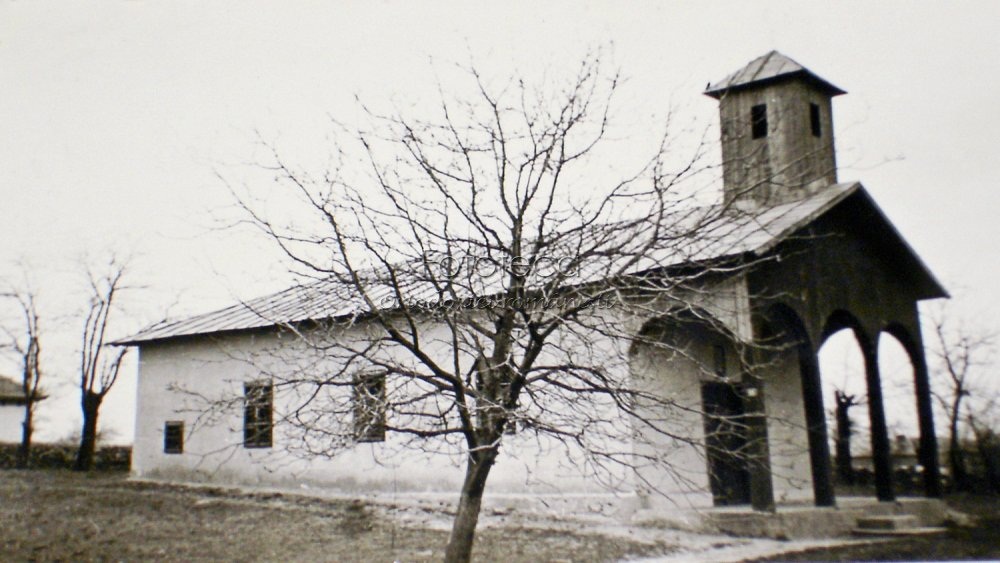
{"points": [[173, 447], [719, 361], [369, 402], [258, 414], [758, 121], [815, 120]]}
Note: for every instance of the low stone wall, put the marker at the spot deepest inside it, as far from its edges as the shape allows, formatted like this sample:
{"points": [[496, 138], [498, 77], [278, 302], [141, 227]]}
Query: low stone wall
{"points": [[62, 456]]}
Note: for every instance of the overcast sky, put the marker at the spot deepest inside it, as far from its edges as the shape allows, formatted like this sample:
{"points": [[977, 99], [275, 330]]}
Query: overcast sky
{"points": [[116, 116]]}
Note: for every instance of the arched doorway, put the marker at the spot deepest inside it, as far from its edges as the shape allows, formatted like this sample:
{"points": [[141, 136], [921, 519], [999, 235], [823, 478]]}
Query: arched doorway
{"points": [[691, 369]]}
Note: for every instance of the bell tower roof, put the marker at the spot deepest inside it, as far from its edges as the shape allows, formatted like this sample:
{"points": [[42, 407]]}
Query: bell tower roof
{"points": [[768, 68], [776, 120]]}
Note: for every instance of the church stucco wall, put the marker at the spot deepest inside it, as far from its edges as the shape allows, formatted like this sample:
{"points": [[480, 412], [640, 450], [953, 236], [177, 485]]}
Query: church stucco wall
{"points": [[176, 378], [788, 441]]}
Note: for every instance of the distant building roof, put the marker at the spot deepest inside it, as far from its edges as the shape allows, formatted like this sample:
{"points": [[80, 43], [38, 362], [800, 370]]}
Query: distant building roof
{"points": [[9, 388], [12, 393], [753, 233], [770, 67]]}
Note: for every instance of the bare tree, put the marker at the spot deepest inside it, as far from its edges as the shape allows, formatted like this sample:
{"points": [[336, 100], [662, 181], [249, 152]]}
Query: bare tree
{"points": [[481, 277], [99, 363], [25, 341], [844, 402], [960, 355]]}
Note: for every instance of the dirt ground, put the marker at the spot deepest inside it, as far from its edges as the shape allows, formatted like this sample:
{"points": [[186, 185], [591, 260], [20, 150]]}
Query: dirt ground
{"points": [[57, 515], [978, 541], [50, 515]]}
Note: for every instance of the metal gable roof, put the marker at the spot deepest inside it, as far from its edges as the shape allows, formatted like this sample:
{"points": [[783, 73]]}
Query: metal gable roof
{"points": [[771, 66], [755, 233], [10, 389], [11, 392]]}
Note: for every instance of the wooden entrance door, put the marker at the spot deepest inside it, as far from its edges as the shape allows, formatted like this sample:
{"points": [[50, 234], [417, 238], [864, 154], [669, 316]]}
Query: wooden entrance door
{"points": [[726, 443]]}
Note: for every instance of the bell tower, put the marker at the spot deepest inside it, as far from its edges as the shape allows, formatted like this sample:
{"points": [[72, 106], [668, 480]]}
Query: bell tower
{"points": [[777, 132]]}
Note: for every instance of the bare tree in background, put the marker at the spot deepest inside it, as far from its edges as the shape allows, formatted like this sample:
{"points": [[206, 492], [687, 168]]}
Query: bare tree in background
{"points": [[99, 363], [469, 263], [842, 413], [960, 353], [25, 341]]}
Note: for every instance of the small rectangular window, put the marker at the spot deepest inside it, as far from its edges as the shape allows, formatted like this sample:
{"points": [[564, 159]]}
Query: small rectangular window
{"points": [[515, 425], [758, 121], [173, 437], [814, 123], [720, 360], [258, 415], [369, 407]]}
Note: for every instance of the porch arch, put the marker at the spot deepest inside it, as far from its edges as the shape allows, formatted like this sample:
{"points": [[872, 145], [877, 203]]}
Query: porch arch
{"points": [[841, 319], [928, 449], [837, 321], [783, 340]]}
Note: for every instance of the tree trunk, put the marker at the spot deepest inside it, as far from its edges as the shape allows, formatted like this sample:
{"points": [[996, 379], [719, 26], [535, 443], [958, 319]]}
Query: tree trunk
{"points": [[845, 469], [88, 438], [956, 458], [24, 450], [463, 530]]}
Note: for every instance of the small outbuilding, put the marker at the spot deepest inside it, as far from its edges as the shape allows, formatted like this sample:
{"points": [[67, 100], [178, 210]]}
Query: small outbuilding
{"points": [[12, 401]]}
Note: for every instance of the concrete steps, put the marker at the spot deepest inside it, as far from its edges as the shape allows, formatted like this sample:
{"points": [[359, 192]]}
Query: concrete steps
{"points": [[803, 521], [893, 525]]}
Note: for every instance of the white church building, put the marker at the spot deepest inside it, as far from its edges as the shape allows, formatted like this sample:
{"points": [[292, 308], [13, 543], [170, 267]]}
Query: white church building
{"points": [[207, 408]]}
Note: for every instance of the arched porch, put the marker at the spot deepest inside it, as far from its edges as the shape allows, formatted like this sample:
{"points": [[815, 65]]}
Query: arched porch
{"points": [[748, 419], [788, 366]]}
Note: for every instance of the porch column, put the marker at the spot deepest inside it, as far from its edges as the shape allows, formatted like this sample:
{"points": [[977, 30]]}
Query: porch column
{"points": [[928, 439], [819, 445], [881, 453]]}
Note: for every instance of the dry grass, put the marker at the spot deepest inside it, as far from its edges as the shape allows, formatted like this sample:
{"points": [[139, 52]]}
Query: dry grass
{"points": [[59, 515]]}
